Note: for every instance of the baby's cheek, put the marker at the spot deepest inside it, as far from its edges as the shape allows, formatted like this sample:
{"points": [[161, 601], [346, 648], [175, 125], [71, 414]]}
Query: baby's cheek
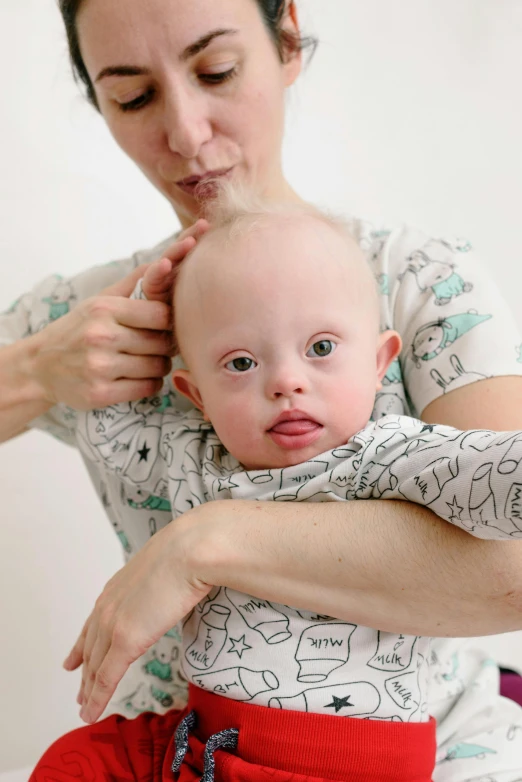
{"points": [[353, 407], [234, 424]]}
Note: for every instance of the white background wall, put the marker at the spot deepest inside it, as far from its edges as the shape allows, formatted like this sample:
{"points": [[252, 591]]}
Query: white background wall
{"points": [[410, 111]]}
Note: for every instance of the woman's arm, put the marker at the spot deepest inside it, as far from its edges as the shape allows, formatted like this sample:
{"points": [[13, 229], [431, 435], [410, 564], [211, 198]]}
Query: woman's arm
{"points": [[391, 565], [495, 403]]}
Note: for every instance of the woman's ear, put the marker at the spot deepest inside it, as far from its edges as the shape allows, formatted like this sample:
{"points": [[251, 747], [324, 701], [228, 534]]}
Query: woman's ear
{"points": [[389, 345], [293, 60], [183, 382]]}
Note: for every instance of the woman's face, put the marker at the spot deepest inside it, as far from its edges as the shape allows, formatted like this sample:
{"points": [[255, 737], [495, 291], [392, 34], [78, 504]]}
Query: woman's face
{"points": [[189, 88]]}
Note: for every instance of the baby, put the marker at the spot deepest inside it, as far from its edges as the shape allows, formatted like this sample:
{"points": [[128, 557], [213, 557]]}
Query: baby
{"points": [[276, 318]]}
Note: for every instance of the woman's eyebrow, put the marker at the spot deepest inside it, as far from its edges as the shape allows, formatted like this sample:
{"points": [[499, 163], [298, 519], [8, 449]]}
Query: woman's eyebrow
{"points": [[190, 51], [203, 42]]}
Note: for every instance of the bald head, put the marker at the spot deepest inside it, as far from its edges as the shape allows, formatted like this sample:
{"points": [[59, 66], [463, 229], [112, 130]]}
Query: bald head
{"points": [[279, 261]]}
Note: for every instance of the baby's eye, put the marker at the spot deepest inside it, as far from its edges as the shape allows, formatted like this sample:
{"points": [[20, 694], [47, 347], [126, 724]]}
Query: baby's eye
{"points": [[242, 364], [322, 348]]}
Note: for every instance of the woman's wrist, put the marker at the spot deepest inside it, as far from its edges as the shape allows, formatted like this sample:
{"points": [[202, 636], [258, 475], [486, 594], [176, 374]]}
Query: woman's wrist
{"points": [[22, 396], [21, 383], [29, 372], [206, 533]]}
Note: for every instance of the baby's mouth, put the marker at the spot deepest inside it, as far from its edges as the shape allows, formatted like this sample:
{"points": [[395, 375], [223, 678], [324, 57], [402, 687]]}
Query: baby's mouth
{"points": [[295, 428]]}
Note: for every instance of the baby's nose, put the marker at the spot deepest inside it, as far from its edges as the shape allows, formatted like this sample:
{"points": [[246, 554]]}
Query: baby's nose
{"points": [[285, 384]]}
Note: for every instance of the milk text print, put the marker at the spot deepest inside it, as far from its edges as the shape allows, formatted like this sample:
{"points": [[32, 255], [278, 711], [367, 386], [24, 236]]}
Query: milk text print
{"points": [[322, 649], [260, 615], [211, 638], [393, 653]]}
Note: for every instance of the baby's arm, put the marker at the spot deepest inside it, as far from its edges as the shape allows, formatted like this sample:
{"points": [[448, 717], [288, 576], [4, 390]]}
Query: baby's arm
{"points": [[472, 479]]}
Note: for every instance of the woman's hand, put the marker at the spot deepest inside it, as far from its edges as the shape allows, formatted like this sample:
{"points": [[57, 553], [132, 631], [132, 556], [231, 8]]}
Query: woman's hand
{"points": [[144, 600], [109, 348], [159, 276]]}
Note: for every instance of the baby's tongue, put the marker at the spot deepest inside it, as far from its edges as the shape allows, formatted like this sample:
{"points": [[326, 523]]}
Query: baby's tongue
{"points": [[302, 426]]}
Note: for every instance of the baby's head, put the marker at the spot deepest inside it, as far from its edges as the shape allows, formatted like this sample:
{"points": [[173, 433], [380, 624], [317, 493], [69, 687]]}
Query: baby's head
{"points": [[277, 321]]}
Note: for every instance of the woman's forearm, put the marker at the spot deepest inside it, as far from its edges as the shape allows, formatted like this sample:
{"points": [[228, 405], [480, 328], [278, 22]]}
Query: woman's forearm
{"points": [[21, 396], [390, 565]]}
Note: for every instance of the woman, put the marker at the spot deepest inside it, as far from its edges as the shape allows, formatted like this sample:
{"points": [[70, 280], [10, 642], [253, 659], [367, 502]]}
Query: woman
{"points": [[185, 88]]}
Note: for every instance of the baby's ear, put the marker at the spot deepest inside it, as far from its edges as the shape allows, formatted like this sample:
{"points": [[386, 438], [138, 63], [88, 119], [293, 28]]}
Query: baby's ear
{"points": [[183, 382], [389, 345]]}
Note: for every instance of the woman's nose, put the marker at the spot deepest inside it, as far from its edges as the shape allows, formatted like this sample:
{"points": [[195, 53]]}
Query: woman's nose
{"points": [[187, 123]]}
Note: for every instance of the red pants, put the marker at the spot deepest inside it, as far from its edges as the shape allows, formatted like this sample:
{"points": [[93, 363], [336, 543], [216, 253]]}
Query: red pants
{"points": [[265, 744]]}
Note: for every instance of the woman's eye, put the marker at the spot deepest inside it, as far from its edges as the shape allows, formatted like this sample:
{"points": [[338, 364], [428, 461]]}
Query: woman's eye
{"points": [[321, 349], [137, 103], [218, 78], [242, 364]]}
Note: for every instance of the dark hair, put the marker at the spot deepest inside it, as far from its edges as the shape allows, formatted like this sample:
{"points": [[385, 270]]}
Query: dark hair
{"points": [[288, 43]]}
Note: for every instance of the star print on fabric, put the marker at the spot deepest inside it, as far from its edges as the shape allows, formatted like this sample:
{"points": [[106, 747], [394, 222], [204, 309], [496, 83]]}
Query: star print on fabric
{"points": [[239, 646], [428, 428], [144, 453], [455, 509], [226, 483], [339, 703]]}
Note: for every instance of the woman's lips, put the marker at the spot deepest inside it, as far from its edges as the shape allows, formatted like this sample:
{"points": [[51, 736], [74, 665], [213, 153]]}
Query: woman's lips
{"points": [[295, 434], [203, 186]]}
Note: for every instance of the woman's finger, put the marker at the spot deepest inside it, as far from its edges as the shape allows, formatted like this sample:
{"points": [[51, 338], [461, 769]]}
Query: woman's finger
{"points": [[79, 697], [90, 640], [75, 657], [157, 280], [140, 342], [177, 251], [200, 227], [140, 314], [129, 391], [108, 676], [140, 367], [99, 652]]}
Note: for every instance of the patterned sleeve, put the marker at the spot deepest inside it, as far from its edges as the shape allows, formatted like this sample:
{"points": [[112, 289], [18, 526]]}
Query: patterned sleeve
{"points": [[455, 325], [49, 300], [472, 479]]}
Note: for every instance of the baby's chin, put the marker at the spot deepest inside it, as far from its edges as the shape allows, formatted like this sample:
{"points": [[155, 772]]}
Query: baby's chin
{"points": [[291, 458]]}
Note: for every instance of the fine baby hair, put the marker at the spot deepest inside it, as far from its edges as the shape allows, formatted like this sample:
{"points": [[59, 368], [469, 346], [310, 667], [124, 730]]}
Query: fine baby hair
{"points": [[237, 207]]}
